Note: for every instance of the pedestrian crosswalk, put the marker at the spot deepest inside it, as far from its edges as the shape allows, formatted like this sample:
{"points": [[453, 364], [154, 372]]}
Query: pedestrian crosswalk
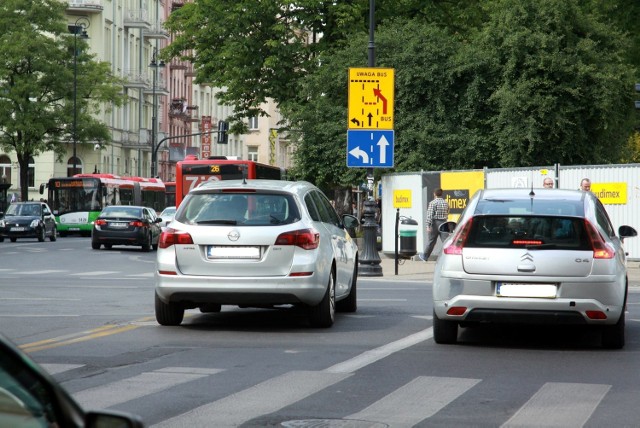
{"points": [[93, 274], [553, 404]]}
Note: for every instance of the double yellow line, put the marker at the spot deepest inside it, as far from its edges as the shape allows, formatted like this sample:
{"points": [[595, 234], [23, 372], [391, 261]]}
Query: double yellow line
{"points": [[82, 336]]}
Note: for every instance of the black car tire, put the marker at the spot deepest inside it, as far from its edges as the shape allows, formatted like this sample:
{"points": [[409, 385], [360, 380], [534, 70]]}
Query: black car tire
{"points": [[350, 303], [168, 313], [54, 235], [1, 238], [613, 335], [13, 239], [42, 234], [146, 244], [108, 246], [323, 314], [444, 332], [95, 245]]}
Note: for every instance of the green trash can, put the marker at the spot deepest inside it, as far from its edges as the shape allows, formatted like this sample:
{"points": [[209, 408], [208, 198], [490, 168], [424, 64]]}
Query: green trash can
{"points": [[408, 238]]}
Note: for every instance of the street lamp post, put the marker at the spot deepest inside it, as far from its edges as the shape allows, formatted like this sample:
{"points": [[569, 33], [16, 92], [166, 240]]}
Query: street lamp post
{"points": [[154, 119], [78, 29]]}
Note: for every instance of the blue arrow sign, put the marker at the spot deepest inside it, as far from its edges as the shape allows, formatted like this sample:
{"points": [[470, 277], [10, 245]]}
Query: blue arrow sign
{"points": [[369, 149]]}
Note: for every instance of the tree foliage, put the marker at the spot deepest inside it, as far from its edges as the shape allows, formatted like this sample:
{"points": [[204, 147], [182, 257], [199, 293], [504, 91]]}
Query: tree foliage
{"points": [[496, 83], [36, 83]]}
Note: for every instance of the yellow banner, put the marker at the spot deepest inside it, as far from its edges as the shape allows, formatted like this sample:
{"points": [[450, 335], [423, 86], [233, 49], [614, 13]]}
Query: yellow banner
{"points": [[402, 198], [610, 193]]}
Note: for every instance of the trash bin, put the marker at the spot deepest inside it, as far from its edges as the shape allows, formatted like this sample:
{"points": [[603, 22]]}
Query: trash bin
{"points": [[408, 236]]}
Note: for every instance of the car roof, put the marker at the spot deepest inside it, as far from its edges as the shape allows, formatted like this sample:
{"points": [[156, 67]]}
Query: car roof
{"points": [[274, 185], [125, 206]]}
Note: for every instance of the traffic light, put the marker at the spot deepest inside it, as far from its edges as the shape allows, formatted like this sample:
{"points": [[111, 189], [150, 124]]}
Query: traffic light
{"points": [[223, 132]]}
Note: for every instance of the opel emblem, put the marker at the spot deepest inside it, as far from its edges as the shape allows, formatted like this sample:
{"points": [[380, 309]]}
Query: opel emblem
{"points": [[234, 235]]}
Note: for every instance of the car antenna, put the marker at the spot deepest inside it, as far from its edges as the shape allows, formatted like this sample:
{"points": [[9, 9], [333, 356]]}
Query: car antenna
{"points": [[532, 193]]}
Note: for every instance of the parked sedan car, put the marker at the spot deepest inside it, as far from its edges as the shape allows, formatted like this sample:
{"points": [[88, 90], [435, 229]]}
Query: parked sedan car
{"points": [[167, 216], [547, 256], [30, 397], [259, 243], [126, 225], [28, 220]]}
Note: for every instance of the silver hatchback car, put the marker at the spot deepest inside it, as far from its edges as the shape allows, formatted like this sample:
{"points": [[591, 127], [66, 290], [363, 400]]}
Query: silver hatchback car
{"points": [[539, 256], [256, 243]]}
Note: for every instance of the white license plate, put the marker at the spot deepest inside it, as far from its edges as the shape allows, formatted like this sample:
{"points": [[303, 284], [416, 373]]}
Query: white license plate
{"points": [[118, 225], [510, 289], [232, 252], [17, 229]]}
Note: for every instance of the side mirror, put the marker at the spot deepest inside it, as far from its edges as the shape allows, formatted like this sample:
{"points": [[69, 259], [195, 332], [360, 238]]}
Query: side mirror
{"points": [[626, 232], [42, 187], [350, 221]]}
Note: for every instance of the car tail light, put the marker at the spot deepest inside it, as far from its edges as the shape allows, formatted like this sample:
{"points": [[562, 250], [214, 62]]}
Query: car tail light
{"points": [[307, 239], [596, 315], [100, 222], [137, 223], [457, 310], [601, 249], [459, 239], [171, 237]]}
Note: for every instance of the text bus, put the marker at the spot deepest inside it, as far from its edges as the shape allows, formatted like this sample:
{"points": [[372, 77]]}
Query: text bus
{"points": [[77, 201], [191, 172]]}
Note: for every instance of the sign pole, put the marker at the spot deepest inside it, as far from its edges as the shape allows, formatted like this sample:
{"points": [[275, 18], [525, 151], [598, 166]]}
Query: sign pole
{"points": [[370, 258]]}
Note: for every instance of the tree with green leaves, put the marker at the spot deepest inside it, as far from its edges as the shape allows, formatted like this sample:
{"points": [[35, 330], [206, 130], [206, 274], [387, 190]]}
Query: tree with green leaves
{"points": [[37, 84]]}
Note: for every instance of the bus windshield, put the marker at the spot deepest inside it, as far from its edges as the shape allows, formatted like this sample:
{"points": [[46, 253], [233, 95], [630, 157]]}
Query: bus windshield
{"points": [[73, 195]]}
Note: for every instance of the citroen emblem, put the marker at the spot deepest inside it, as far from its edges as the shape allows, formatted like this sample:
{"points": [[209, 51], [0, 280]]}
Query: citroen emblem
{"points": [[527, 257], [234, 235]]}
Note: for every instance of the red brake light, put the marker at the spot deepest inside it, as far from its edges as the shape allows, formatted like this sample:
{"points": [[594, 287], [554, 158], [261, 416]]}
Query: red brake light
{"points": [[460, 238], [137, 223], [171, 237], [601, 250], [307, 239], [100, 222]]}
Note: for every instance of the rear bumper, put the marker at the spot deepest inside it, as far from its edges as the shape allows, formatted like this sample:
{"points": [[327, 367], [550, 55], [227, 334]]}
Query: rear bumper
{"points": [[118, 238], [193, 291]]}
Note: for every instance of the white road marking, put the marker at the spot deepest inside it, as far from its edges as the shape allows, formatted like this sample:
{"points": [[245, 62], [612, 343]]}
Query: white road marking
{"points": [[559, 405]]}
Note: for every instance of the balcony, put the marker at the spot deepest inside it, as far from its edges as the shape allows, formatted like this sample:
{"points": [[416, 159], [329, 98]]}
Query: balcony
{"points": [[178, 65], [85, 6], [136, 18], [156, 31], [190, 72], [162, 88], [135, 79]]}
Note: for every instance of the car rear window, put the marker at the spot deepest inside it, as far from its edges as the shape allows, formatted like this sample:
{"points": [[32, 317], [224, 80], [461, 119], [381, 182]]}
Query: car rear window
{"points": [[254, 209], [513, 231], [121, 212], [554, 207]]}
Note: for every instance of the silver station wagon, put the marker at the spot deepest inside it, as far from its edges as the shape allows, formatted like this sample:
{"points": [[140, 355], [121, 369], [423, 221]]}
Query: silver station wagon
{"points": [[256, 243], [539, 256]]}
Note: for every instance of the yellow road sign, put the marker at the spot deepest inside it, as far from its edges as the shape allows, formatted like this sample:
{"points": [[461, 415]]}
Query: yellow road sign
{"points": [[371, 92]]}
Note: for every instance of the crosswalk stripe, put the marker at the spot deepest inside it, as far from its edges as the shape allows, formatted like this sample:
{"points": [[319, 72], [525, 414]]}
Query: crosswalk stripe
{"points": [[559, 405], [138, 386], [263, 398], [419, 399], [53, 369]]}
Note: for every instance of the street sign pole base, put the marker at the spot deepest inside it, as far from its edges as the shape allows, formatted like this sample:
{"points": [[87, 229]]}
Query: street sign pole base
{"points": [[369, 264]]}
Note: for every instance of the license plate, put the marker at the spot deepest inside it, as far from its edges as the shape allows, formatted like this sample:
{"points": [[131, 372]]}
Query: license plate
{"points": [[118, 225], [233, 252], [74, 229], [17, 229], [510, 289]]}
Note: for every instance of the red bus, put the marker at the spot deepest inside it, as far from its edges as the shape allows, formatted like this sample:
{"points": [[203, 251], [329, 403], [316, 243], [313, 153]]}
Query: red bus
{"points": [[191, 172], [170, 189]]}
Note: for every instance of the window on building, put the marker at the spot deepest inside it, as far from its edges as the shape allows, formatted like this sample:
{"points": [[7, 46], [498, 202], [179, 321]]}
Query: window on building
{"points": [[253, 123], [5, 169], [252, 153], [70, 171]]}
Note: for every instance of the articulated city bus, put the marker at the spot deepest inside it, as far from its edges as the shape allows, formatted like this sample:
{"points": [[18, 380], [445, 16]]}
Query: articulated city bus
{"points": [[77, 201], [191, 172]]}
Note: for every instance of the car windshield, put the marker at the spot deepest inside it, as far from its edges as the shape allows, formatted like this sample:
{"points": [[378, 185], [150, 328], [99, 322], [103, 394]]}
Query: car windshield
{"points": [[535, 232], [258, 209], [168, 211], [24, 210]]}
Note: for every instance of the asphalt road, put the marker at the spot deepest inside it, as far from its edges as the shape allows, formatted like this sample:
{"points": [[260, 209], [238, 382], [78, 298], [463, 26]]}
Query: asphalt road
{"points": [[87, 316]]}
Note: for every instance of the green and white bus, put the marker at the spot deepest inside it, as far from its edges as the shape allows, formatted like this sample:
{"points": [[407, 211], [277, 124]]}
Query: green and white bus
{"points": [[77, 201]]}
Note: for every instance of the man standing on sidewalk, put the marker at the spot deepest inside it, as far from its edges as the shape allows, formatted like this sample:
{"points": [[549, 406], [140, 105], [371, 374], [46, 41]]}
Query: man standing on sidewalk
{"points": [[437, 213]]}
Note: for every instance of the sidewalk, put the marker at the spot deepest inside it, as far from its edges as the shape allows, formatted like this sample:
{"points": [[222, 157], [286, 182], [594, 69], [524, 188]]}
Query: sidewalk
{"points": [[423, 271]]}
